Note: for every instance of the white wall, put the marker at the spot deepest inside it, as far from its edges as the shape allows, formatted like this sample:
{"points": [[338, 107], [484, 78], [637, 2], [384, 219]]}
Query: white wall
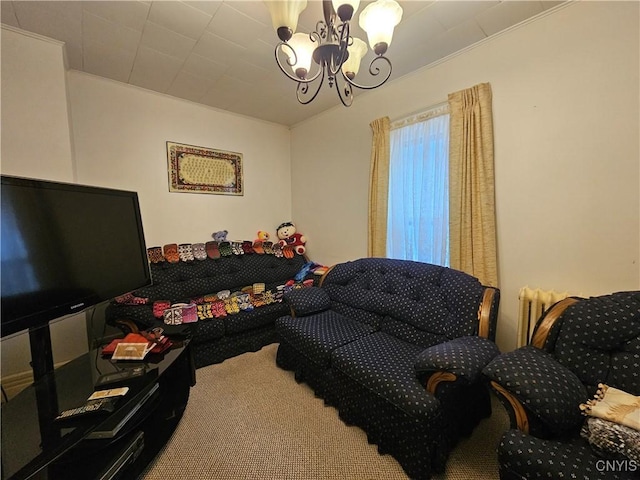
{"points": [[566, 115], [36, 142], [79, 128], [120, 135]]}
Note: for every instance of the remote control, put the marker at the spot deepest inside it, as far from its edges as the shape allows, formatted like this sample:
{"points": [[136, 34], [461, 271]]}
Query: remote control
{"points": [[101, 405], [122, 376]]}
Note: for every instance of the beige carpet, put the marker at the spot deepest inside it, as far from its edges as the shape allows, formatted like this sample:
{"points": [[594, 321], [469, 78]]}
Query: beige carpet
{"points": [[248, 419]]}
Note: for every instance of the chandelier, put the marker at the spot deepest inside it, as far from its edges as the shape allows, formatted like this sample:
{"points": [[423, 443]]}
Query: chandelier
{"points": [[330, 46]]}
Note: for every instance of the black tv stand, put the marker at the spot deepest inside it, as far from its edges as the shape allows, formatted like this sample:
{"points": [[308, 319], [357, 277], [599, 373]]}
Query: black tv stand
{"points": [[116, 445], [41, 351]]}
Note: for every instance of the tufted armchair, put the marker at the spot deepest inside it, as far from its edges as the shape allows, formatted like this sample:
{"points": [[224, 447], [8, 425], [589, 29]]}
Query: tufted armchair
{"points": [[577, 345]]}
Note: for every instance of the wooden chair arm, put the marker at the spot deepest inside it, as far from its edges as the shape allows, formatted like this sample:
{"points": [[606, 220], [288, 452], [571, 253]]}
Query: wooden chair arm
{"points": [[542, 330], [324, 275], [484, 312], [437, 378], [522, 420]]}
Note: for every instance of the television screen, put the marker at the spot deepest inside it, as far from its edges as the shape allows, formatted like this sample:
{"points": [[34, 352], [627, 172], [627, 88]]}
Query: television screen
{"points": [[65, 247]]}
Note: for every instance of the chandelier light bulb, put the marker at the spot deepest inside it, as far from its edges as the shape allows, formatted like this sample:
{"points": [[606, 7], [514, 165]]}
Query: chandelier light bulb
{"points": [[357, 50], [284, 16], [379, 19], [300, 54]]}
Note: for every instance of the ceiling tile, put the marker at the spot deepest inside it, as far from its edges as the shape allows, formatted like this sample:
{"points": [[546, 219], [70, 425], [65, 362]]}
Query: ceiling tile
{"points": [[179, 17], [218, 49], [502, 16], [255, 9], [234, 26], [209, 7], [108, 62], [259, 53], [190, 87], [99, 30], [247, 72], [418, 28], [450, 14], [128, 13], [203, 67], [457, 38], [61, 21], [154, 70], [8, 14], [166, 41]]}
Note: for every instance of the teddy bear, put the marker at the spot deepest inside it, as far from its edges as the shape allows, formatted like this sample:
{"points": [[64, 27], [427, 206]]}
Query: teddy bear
{"points": [[261, 244], [290, 238], [220, 236], [262, 236]]}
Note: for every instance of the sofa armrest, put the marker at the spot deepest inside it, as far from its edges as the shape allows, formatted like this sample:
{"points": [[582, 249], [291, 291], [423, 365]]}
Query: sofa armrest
{"points": [[459, 359], [306, 301], [533, 379]]}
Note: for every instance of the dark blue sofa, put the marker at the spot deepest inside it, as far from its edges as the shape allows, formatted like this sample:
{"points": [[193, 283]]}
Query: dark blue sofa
{"points": [[398, 348], [216, 339]]}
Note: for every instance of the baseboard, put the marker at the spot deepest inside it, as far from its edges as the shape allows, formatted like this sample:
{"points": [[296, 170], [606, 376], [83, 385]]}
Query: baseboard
{"points": [[14, 384]]}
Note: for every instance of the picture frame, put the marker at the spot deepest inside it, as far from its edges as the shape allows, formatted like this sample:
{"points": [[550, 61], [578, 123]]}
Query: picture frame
{"points": [[194, 169]]}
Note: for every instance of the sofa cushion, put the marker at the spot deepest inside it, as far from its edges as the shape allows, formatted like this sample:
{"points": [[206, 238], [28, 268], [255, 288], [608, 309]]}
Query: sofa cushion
{"points": [[207, 330], [316, 336], [385, 365], [255, 318], [305, 301]]}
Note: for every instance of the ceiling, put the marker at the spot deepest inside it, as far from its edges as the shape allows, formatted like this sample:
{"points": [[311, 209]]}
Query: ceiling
{"points": [[221, 53]]}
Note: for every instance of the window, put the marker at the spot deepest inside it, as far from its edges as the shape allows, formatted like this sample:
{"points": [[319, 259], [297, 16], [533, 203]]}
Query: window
{"points": [[418, 204]]}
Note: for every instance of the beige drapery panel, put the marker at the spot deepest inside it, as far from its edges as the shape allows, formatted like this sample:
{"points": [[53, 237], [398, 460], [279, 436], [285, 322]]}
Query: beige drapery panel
{"points": [[379, 188], [472, 217]]}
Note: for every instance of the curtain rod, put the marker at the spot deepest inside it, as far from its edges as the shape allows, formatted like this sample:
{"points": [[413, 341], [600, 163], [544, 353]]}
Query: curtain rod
{"points": [[422, 116]]}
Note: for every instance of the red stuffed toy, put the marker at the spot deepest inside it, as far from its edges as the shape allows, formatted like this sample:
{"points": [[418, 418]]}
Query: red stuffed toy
{"points": [[290, 238]]}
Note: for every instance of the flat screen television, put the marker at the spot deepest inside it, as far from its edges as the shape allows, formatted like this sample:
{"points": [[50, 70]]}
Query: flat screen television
{"points": [[64, 248]]}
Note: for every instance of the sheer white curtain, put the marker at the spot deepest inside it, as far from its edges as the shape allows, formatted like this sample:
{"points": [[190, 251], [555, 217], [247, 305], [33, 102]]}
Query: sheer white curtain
{"points": [[418, 208]]}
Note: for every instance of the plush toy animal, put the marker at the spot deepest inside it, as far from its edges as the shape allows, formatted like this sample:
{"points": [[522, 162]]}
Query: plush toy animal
{"points": [[220, 236], [262, 236], [289, 237]]}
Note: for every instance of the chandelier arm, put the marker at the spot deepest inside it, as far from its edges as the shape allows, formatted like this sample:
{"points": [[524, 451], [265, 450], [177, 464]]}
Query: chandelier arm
{"points": [[374, 71], [290, 63], [344, 40], [344, 91], [303, 88]]}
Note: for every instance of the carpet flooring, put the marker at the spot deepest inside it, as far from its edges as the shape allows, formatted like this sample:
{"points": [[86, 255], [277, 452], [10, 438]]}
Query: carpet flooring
{"points": [[248, 419]]}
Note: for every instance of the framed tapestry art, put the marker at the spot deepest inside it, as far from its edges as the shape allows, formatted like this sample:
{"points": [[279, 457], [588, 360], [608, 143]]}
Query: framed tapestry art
{"points": [[204, 170]]}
